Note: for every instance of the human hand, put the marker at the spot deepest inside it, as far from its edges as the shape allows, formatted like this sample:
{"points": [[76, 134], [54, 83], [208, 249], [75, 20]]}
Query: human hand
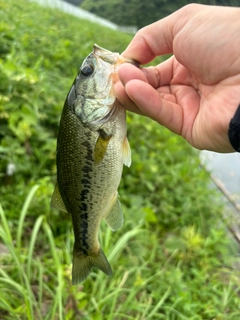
{"points": [[196, 92]]}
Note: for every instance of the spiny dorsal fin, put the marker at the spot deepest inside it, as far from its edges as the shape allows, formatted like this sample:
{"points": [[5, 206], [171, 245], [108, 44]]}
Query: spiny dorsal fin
{"points": [[101, 146], [114, 216], [57, 201], [126, 152]]}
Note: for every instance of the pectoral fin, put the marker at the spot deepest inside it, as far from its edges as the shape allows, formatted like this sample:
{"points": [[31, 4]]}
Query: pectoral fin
{"points": [[114, 216], [57, 201], [101, 146], [126, 152]]}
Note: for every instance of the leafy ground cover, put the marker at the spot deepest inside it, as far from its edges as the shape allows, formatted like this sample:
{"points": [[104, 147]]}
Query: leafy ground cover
{"points": [[173, 258]]}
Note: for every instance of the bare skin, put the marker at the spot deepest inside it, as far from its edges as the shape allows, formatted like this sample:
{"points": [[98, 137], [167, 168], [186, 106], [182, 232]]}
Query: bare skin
{"points": [[196, 92]]}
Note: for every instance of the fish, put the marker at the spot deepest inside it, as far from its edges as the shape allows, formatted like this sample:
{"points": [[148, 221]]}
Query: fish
{"points": [[92, 147]]}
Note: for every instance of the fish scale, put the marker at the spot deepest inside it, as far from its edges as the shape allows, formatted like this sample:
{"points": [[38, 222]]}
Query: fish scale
{"points": [[91, 149]]}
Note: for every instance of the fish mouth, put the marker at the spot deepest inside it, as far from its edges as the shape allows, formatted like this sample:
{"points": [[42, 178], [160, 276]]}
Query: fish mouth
{"points": [[133, 62], [104, 54], [112, 57]]}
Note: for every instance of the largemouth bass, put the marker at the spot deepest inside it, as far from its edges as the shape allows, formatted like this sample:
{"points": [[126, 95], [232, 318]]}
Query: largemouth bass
{"points": [[92, 147]]}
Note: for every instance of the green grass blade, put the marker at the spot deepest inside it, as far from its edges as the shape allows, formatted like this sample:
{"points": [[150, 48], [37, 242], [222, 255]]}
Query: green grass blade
{"points": [[23, 214], [24, 286], [35, 231], [159, 304], [4, 305], [120, 245], [5, 226], [5, 278], [58, 296]]}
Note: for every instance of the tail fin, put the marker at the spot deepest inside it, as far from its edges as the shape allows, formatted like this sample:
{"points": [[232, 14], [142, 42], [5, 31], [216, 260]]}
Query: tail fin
{"points": [[82, 266]]}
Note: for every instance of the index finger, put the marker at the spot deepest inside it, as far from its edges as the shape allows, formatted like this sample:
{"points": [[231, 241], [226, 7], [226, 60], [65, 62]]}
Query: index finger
{"points": [[157, 38], [146, 44]]}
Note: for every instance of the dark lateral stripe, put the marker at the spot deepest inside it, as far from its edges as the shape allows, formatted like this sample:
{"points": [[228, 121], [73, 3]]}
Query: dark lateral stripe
{"points": [[83, 208], [86, 182], [84, 234], [83, 197]]}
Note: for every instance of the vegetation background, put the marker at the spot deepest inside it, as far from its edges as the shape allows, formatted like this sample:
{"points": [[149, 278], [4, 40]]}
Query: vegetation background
{"points": [[141, 13], [173, 258]]}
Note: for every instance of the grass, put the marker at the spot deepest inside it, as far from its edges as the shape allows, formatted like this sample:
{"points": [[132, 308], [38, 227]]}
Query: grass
{"points": [[26, 275], [187, 282], [173, 259]]}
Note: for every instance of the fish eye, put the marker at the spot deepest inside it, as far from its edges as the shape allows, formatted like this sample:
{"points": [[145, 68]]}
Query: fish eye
{"points": [[87, 70]]}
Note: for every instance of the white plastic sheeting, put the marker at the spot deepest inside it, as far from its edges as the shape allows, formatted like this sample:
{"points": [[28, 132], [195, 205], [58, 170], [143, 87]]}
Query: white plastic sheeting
{"points": [[80, 13]]}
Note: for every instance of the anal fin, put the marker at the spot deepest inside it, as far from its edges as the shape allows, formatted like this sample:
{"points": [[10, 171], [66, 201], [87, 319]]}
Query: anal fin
{"points": [[114, 216]]}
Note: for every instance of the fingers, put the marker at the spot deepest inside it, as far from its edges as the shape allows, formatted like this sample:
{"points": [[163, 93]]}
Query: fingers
{"points": [[156, 76], [158, 38], [126, 73], [137, 92], [148, 101], [160, 75], [124, 99], [145, 46]]}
